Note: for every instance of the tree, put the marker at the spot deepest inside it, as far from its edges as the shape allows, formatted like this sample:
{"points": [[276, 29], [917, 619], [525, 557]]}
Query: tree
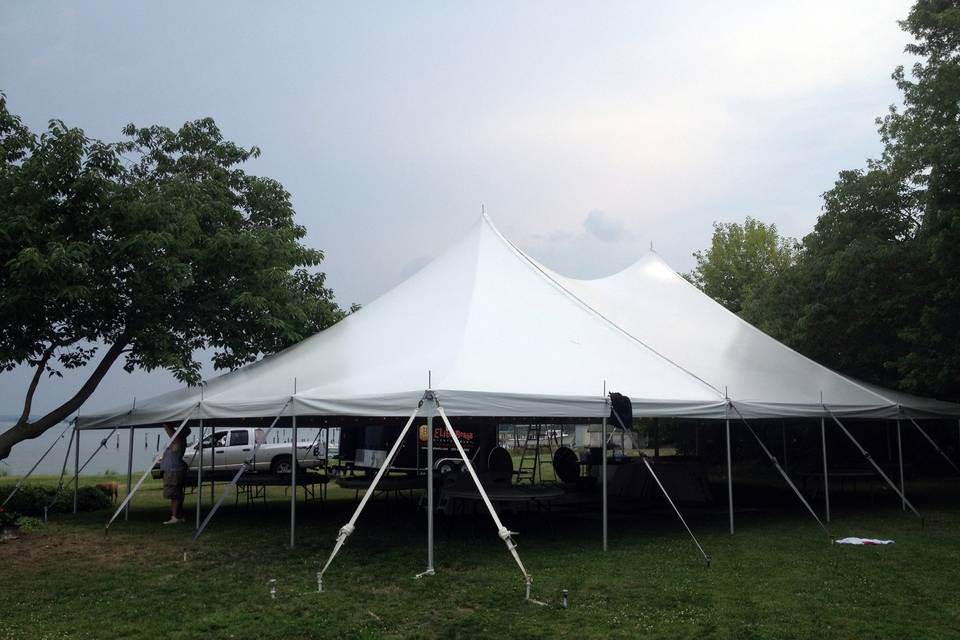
{"points": [[740, 257], [876, 289], [851, 287], [144, 251]]}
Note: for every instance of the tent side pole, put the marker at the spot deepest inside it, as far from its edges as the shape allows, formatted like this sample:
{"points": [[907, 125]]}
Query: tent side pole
{"points": [[603, 477], [903, 489], [126, 510], [199, 474], [156, 459], [666, 495], [76, 472], [37, 464], [246, 466], [729, 471], [826, 476], [779, 468], [430, 496], [349, 528], [876, 466], [505, 534], [783, 430], [326, 460], [293, 481]]}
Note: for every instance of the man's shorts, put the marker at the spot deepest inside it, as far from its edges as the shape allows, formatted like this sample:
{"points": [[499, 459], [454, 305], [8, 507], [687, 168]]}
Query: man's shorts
{"points": [[173, 482]]}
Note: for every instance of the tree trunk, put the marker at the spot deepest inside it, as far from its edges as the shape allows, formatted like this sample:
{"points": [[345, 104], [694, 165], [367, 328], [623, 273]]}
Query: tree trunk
{"points": [[26, 430]]}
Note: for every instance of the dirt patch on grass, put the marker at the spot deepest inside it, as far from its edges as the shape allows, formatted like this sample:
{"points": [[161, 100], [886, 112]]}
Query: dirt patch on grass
{"points": [[65, 548]]}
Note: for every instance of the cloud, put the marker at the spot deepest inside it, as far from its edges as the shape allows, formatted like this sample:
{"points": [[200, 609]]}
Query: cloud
{"points": [[602, 245], [604, 228]]}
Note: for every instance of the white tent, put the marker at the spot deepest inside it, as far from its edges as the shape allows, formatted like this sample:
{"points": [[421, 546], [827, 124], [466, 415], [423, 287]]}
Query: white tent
{"points": [[482, 325], [491, 332], [761, 376]]}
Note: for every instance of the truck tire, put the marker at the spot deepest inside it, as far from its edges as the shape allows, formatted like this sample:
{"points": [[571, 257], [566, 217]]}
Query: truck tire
{"points": [[281, 465]]}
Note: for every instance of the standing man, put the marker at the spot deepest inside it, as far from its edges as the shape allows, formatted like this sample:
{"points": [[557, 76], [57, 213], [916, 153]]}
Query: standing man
{"points": [[174, 472]]}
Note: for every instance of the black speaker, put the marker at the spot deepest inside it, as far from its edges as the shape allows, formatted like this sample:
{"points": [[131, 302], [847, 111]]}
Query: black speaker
{"points": [[621, 410]]}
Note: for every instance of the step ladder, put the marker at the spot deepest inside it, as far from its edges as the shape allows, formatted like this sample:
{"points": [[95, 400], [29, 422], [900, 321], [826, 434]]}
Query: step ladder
{"points": [[531, 459]]}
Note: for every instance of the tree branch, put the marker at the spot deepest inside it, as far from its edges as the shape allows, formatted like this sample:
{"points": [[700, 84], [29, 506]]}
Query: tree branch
{"points": [[26, 430], [31, 390]]}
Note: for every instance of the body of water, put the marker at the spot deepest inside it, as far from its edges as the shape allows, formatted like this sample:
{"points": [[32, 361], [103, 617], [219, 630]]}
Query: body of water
{"points": [[111, 458]]}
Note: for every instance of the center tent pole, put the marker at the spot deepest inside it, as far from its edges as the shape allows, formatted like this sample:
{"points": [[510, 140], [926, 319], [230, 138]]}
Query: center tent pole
{"points": [[349, 528], [146, 473], [876, 466], [903, 488], [505, 534], [246, 466]]}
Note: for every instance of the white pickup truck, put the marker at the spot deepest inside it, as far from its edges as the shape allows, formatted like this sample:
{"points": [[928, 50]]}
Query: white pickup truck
{"points": [[226, 450]]}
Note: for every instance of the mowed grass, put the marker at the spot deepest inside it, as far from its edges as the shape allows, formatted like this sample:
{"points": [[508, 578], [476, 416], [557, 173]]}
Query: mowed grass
{"points": [[778, 577]]}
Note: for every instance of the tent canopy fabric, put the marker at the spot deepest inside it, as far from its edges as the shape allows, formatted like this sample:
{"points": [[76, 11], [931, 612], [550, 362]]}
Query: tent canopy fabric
{"points": [[481, 325], [763, 377], [495, 333]]}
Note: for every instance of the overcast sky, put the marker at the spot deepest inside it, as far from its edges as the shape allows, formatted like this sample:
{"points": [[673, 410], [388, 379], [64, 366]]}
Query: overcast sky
{"points": [[588, 130]]}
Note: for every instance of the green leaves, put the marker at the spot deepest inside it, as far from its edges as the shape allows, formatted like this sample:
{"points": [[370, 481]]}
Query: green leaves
{"points": [[159, 245], [739, 259], [875, 290]]}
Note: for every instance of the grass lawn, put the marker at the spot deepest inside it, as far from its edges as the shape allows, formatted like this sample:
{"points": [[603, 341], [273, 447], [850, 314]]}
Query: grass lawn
{"points": [[777, 578]]}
